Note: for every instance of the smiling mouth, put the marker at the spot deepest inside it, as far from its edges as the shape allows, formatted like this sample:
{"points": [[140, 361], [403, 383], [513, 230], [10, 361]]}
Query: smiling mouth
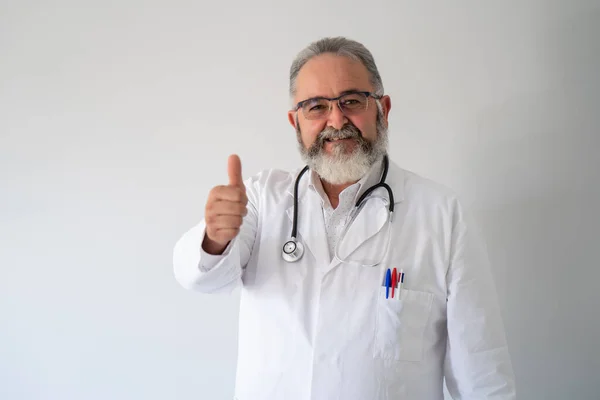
{"points": [[336, 139]]}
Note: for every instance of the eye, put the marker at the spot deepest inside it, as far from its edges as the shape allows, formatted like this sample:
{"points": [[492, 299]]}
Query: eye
{"points": [[353, 101]]}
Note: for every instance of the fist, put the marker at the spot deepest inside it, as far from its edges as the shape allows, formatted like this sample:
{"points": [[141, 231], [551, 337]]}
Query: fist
{"points": [[225, 209]]}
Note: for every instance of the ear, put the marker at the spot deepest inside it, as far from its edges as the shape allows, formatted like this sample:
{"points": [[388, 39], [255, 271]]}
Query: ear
{"points": [[386, 103], [292, 119]]}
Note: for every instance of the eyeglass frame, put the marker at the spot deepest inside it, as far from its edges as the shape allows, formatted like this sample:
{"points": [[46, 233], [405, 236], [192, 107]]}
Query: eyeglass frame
{"points": [[337, 99]]}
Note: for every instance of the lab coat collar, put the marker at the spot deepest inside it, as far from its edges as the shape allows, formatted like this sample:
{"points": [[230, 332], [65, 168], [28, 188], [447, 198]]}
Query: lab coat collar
{"points": [[311, 225]]}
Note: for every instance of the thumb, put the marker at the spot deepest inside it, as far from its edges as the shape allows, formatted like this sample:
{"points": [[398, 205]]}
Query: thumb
{"points": [[234, 170]]}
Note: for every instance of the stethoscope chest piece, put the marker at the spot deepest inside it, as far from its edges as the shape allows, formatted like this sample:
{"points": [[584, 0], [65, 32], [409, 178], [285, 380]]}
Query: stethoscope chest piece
{"points": [[292, 250]]}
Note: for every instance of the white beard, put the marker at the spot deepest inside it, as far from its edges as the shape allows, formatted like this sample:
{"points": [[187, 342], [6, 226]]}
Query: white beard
{"points": [[339, 168]]}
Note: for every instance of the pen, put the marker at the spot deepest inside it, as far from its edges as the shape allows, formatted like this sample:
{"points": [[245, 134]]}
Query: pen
{"points": [[388, 279], [401, 281], [395, 281]]}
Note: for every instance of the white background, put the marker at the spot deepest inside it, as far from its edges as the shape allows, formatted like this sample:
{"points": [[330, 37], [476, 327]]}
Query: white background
{"points": [[116, 118]]}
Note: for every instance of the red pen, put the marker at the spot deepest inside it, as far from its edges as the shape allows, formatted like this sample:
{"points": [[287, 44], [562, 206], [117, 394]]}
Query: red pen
{"points": [[394, 281]]}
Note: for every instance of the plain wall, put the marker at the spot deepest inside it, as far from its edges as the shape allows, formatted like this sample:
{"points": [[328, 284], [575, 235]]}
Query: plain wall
{"points": [[116, 119]]}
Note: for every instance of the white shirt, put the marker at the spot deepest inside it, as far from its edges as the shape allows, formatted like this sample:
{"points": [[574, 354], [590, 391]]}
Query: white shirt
{"points": [[322, 329], [335, 218]]}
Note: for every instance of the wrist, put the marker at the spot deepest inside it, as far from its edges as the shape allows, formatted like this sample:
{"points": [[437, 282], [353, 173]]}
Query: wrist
{"points": [[212, 247]]}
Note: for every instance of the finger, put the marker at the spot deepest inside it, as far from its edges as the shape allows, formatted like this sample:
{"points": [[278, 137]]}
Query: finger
{"points": [[230, 193], [228, 208], [234, 170], [227, 234], [227, 222]]}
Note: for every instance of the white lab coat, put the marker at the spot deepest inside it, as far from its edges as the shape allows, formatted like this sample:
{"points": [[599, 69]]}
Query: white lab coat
{"points": [[323, 330]]}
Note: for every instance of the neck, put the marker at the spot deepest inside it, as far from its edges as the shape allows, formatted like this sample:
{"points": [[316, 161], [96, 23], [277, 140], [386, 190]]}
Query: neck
{"points": [[333, 191]]}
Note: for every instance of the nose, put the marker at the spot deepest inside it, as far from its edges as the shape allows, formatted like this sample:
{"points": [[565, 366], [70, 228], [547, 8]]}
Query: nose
{"points": [[336, 118]]}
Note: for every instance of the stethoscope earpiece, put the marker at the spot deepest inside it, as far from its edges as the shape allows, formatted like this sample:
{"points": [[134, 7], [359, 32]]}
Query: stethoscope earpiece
{"points": [[292, 250]]}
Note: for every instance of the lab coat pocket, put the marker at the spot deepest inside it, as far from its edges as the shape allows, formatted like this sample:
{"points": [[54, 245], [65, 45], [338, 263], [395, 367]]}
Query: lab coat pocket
{"points": [[400, 325]]}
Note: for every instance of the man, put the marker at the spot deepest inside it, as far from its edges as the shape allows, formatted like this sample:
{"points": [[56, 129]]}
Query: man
{"points": [[365, 307]]}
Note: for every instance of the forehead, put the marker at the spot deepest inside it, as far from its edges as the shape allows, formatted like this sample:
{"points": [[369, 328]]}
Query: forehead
{"points": [[329, 75]]}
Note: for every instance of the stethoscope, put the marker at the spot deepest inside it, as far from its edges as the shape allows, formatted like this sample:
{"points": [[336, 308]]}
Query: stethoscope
{"points": [[293, 249]]}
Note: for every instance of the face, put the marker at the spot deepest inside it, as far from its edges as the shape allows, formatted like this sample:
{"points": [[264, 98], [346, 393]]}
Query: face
{"points": [[341, 148]]}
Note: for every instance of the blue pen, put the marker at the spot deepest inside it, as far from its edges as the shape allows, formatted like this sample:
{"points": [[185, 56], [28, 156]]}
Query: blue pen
{"points": [[388, 283]]}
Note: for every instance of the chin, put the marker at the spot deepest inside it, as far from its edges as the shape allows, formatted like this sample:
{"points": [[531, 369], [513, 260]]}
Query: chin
{"points": [[340, 148], [341, 152]]}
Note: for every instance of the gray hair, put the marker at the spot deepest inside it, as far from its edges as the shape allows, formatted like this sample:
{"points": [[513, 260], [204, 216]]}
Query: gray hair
{"points": [[341, 47]]}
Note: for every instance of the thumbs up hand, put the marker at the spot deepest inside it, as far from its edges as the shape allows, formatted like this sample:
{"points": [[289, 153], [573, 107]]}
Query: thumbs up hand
{"points": [[225, 209]]}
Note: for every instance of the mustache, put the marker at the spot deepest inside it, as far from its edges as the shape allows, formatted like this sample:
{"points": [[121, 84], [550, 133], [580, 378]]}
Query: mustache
{"points": [[348, 131]]}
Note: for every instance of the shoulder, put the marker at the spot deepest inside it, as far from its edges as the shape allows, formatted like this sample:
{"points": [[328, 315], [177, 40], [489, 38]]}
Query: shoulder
{"points": [[272, 180], [418, 188], [428, 198]]}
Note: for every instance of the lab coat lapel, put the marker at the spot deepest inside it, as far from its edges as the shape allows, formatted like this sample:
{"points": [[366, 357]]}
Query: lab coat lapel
{"points": [[372, 217], [311, 225], [368, 222]]}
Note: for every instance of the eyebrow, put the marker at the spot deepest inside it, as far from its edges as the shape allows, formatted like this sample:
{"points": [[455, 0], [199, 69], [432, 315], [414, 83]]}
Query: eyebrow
{"points": [[352, 91]]}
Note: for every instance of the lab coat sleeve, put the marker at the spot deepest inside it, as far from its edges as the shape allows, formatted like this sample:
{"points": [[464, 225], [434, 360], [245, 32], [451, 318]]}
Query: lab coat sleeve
{"points": [[477, 364], [196, 270]]}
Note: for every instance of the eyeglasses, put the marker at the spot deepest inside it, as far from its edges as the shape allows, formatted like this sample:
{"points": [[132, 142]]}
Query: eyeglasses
{"points": [[350, 103]]}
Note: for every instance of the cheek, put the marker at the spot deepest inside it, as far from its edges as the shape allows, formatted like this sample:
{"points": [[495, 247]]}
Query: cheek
{"points": [[310, 131], [367, 127]]}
